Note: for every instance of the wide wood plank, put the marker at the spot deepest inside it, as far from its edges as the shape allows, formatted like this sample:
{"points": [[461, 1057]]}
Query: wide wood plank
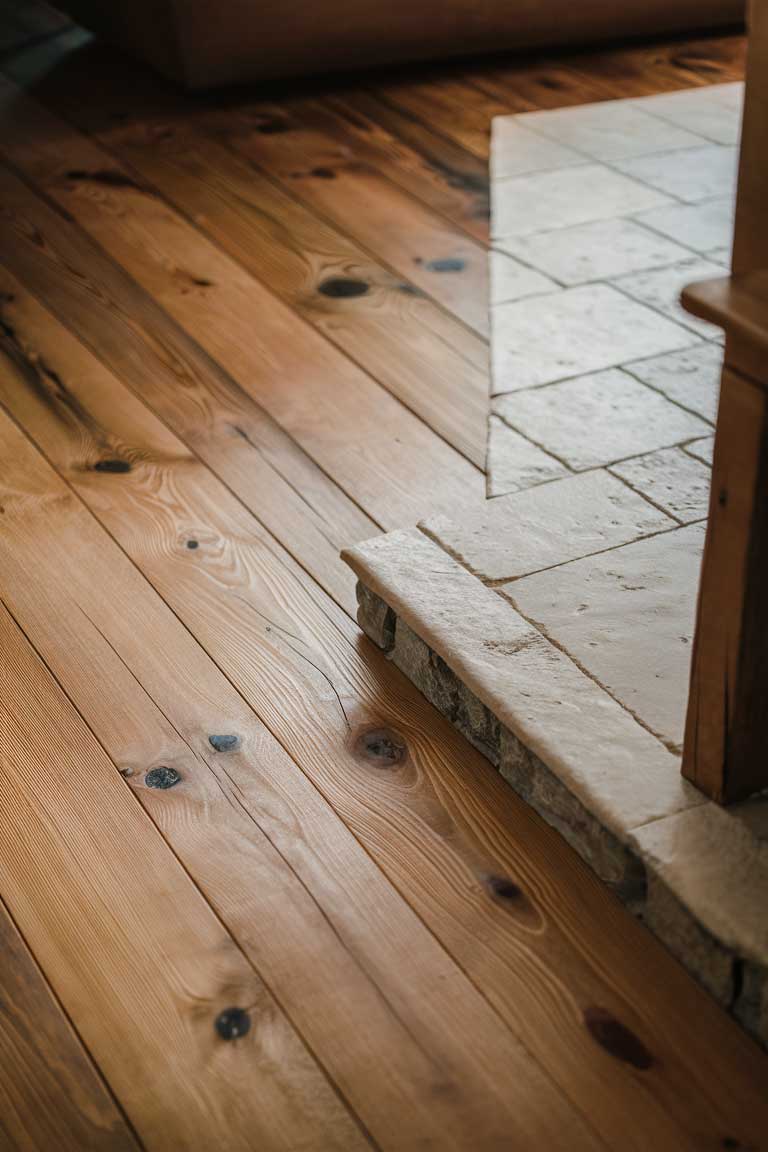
{"points": [[51, 1096], [420, 353], [432, 813], [393, 464], [422, 247], [139, 961], [452, 1069]]}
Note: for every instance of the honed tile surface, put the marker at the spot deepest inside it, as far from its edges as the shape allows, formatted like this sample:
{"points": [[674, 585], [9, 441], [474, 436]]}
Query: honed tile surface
{"points": [[514, 463], [672, 479], [570, 333], [691, 175], [610, 130], [690, 378], [516, 151], [574, 195], [627, 616], [596, 251], [511, 280], [706, 112], [661, 290], [528, 531], [594, 420], [703, 227], [702, 449]]}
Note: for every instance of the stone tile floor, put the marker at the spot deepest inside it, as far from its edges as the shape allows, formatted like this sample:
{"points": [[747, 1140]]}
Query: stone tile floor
{"points": [[554, 624]]}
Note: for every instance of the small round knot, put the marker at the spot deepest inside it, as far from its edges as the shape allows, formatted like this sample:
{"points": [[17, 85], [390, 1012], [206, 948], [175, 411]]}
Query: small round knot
{"points": [[226, 743], [162, 777], [232, 1023], [343, 288], [381, 746]]}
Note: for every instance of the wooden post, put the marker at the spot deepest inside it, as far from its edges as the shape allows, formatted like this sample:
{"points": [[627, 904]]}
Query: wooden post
{"points": [[726, 737]]}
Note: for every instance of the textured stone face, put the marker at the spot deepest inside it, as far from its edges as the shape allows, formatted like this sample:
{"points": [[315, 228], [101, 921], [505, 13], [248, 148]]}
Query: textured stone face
{"points": [[672, 479]]}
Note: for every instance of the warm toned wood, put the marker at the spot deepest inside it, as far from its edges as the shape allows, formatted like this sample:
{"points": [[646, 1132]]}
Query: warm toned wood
{"points": [[456, 108], [418, 352], [241, 821], [442, 824], [425, 163], [415, 242], [739, 304], [137, 958], [50, 1093], [750, 240], [391, 463]]}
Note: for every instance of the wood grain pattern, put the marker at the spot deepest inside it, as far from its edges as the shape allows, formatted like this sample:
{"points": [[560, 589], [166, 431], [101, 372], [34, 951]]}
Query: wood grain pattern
{"points": [[347, 423], [50, 1093], [451, 1069], [135, 955], [440, 825], [410, 345]]}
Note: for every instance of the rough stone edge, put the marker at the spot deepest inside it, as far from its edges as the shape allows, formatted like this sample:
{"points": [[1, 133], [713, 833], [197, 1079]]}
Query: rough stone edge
{"points": [[738, 984]]}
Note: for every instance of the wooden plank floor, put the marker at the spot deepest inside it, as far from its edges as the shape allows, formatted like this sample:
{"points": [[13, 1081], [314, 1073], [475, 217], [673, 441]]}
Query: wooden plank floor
{"points": [[254, 892]]}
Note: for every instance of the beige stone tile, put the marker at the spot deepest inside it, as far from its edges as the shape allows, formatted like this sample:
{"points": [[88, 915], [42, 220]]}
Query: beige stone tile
{"points": [[595, 251], [700, 110], [517, 152], [617, 770], [551, 524], [702, 227], [690, 378], [594, 420], [567, 196], [671, 478], [691, 175], [610, 130], [702, 449], [511, 280], [514, 463], [718, 870], [661, 290], [627, 617], [573, 332]]}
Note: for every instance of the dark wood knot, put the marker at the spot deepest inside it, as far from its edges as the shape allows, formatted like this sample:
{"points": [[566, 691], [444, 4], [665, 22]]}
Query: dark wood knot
{"points": [[162, 777], [343, 288], [232, 1023], [381, 746], [112, 465], [446, 264], [617, 1039], [323, 173], [226, 743]]}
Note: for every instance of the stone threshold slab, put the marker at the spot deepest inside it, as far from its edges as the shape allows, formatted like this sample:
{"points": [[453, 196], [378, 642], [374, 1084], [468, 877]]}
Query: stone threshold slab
{"points": [[695, 873]]}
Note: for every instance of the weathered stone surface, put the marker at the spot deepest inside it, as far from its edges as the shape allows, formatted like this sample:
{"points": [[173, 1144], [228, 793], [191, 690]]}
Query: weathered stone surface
{"points": [[525, 532], [425, 668], [609, 130], [628, 417], [595, 251], [575, 195], [615, 769], [701, 227], [691, 175], [677, 482], [701, 449], [690, 378], [661, 290], [718, 871], [627, 617], [515, 151], [709, 112], [546, 338], [375, 617], [613, 861], [514, 463], [511, 280]]}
